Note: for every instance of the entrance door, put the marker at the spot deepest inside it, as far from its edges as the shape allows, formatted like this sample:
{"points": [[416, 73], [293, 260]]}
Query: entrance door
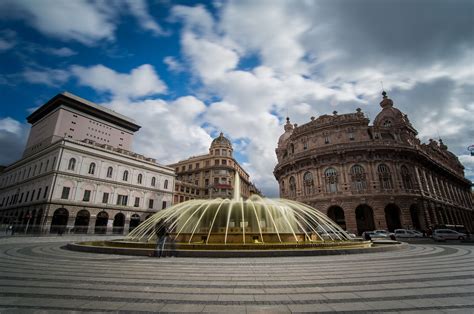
{"points": [[364, 218]]}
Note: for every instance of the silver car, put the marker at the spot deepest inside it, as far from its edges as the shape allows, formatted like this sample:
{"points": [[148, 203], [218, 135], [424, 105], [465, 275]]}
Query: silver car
{"points": [[447, 234]]}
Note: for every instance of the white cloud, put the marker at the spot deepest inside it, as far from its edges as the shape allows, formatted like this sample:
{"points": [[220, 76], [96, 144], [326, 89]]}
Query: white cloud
{"points": [[84, 21], [60, 52], [46, 76], [6, 45], [173, 64], [79, 20], [170, 130], [139, 9], [12, 140], [142, 81], [7, 40]]}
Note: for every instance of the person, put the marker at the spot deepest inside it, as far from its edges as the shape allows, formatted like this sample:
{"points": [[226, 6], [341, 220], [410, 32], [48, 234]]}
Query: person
{"points": [[430, 232], [162, 234], [9, 230]]}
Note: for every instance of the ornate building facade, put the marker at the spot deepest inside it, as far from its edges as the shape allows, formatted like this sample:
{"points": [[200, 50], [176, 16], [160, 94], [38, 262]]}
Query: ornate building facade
{"points": [[78, 174], [211, 175], [373, 177]]}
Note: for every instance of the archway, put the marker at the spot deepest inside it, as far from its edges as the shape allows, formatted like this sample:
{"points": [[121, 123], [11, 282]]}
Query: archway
{"points": [[415, 217], [364, 218], [392, 217], [119, 222], [336, 214], [101, 223], [59, 221], [134, 222], [81, 224]]}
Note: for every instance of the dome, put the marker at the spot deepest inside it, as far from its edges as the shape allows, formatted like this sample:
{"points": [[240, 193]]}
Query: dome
{"points": [[221, 140]]}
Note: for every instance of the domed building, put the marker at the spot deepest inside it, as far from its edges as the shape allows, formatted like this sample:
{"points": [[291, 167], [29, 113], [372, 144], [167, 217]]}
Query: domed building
{"points": [[211, 175], [378, 176]]}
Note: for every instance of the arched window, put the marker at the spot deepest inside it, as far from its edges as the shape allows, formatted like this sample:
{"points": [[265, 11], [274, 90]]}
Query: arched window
{"points": [[292, 186], [125, 176], [331, 180], [385, 177], [387, 123], [358, 178], [165, 186], [72, 164], [47, 164], [308, 183], [110, 171], [153, 181], [92, 168], [139, 178], [406, 178]]}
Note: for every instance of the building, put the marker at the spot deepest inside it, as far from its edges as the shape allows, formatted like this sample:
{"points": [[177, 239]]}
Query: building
{"points": [[373, 177], [211, 175], [77, 173]]}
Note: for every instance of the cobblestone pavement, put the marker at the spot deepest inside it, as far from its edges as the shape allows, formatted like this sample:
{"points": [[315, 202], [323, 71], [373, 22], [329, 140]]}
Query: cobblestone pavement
{"points": [[37, 275]]}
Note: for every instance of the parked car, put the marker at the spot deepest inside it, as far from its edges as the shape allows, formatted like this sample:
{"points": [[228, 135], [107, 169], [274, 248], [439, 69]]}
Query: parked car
{"points": [[372, 235], [404, 233], [447, 234], [389, 234]]}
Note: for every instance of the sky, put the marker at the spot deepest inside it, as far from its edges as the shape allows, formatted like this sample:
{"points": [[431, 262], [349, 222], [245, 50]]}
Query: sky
{"points": [[187, 70]]}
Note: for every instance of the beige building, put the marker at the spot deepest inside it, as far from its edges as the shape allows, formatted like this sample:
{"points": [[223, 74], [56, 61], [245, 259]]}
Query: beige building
{"points": [[78, 174], [373, 177], [211, 175]]}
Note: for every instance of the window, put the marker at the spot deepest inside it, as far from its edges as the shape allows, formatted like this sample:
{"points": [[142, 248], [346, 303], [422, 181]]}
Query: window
{"points": [[385, 178], [308, 183], [32, 195], [358, 178], [331, 180], [190, 167], [110, 170], [41, 168], [21, 197], [139, 179], [217, 152], [87, 196], [163, 205], [65, 193], [224, 162], [26, 196], [47, 164], [166, 184], [351, 134], [153, 181], [292, 186], [208, 162], [387, 123], [137, 202], [292, 148], [150, 203], [72, 164], [125, 176], [305, 145], [197, 166], [122, 200], [326, 139], [39, 194], [216, 162], [105, 198], [92, 168], [406, 178]]}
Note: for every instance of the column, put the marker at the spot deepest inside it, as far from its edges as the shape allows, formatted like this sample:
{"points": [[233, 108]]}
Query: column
{"points": [[70, 224], [92, 220]]}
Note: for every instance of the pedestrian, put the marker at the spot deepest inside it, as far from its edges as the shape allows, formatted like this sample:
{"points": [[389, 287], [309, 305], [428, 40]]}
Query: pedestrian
{"points": [[9, 230], [162, 234], [430, 232]]}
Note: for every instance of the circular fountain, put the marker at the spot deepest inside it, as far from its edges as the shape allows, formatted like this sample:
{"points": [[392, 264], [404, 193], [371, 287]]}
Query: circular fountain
{"points": [[236, 227]]}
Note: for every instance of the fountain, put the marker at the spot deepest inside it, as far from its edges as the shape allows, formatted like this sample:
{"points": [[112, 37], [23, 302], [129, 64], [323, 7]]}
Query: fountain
{"points": [[236, 227]]}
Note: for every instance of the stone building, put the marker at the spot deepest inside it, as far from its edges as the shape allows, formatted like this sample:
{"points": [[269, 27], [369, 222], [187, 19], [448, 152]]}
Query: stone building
{"points": [[77, 173], [211, 175], [373, 177]]}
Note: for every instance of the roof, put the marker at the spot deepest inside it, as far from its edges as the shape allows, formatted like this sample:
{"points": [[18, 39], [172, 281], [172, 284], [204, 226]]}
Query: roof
{"points": [[85, 106]]}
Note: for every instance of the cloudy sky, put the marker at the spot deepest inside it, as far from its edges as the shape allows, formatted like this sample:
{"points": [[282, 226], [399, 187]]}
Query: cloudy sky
{"points": [[187, 70]]}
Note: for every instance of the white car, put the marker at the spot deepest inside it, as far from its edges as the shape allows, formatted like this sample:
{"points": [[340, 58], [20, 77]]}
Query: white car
{"points": [[447, 234], [372, 235], [404, 233]]}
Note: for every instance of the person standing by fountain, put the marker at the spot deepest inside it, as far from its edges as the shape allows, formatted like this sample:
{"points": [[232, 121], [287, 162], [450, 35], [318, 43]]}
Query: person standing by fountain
{"points": [[162, 234]]}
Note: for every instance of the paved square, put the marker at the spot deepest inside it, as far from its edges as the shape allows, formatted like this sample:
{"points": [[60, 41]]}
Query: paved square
{"points": [[37, 274]]}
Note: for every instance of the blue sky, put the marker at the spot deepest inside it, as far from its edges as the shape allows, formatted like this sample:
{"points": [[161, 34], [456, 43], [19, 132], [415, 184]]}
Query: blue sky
{"points": [[188, 70]]}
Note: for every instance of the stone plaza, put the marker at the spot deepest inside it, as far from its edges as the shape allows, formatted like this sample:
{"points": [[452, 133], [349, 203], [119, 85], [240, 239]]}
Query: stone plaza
{"points": [[39, 275]]}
